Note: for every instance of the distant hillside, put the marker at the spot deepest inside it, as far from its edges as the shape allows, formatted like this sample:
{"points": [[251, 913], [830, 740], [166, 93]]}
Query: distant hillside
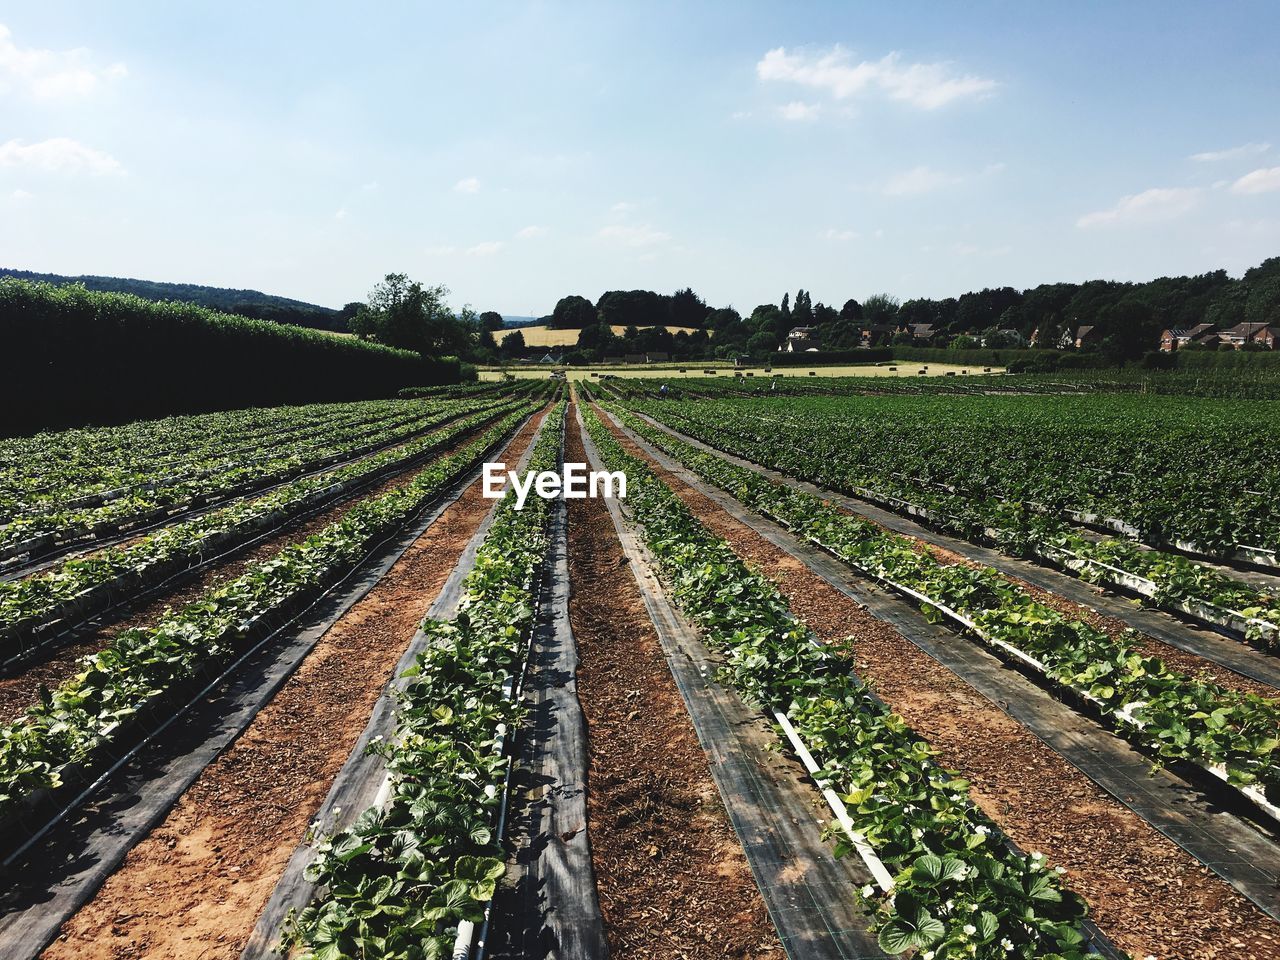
{"points": [[246, 303], [511, 323]]}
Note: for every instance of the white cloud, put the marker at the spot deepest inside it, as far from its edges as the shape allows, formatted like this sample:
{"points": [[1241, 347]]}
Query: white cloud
{"points": [[441, 251], [58, 155], [1264, 180], [1157, 204], [486, 249], [924, 85], [1232, 153], [621, 208], [531, 232], [831, 233], [21, 196], [740, 115], [467, 185], [341, 214], [917, 180], [799, 110], [633, 236], [50, 74], [369, 187]]}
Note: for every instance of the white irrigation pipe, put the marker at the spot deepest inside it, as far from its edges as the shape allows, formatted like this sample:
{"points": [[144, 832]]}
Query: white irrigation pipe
{"points": [[882, 876]]}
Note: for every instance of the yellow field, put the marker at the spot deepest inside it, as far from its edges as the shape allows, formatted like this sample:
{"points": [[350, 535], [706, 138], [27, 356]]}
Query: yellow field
{"points": [[540, 371], [541, 336]]}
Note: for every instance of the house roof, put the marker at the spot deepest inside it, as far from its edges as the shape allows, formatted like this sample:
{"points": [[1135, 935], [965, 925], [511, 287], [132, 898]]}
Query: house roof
{"points": [[801, 333], [1084, 331], [1244, 330]]}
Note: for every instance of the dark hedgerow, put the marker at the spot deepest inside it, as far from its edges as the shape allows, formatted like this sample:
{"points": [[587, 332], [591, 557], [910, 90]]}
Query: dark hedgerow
{"points": [[69, 356]]}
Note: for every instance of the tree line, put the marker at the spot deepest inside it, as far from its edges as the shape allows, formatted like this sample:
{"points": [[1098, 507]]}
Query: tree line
{"points": [[1128, 318]]}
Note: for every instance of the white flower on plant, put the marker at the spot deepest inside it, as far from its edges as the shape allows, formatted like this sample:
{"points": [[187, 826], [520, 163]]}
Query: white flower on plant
{"points": [[973, 908], [970, 929], [1059, 870], [927, 955], [916, 833], [984, 830], [1007, 944], [949, 905], [867, 891]]}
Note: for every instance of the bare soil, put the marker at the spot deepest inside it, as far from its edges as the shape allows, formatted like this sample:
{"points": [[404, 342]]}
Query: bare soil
{"points": [[195, 886], [1145, 893], [672, 877]]}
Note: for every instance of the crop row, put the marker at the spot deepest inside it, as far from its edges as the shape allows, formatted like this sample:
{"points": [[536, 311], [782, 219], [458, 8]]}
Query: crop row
{"points": [[81, 586], [66, 735], [1016, 527], [90, 456], [1170, 470], [414, 867], [57, 528], [958, 889], [1228, 733]]}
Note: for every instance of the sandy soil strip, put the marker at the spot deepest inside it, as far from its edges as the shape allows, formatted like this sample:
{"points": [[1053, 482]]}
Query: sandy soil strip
{"points": [[195, 886], [672, 877], [1146, 894]]}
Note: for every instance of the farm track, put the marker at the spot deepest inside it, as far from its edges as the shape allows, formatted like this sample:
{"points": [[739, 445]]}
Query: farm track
{"points": [[1190, 648], [671, 874], [21, 686], [1148, 895], [209, 867]]}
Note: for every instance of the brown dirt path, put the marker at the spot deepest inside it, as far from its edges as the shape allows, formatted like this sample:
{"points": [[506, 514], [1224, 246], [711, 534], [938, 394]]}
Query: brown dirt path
{"points": [[672, 877], [195, 886], [1145, 893]]}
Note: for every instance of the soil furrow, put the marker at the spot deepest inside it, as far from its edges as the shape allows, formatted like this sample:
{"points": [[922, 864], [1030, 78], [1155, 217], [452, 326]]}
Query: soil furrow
{"points": [[672, 877]]}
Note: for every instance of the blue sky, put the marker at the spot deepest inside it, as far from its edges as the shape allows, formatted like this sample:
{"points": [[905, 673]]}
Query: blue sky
{"points": [[517, 152]]}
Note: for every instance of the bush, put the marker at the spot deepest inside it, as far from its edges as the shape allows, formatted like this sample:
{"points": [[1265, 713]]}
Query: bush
{"points": [[74, 357]]}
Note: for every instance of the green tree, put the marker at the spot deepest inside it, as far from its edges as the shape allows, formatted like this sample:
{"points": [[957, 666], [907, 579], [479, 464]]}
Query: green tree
{"points": [[880, 308], [573, 313], [491, 321], [403, 313]]}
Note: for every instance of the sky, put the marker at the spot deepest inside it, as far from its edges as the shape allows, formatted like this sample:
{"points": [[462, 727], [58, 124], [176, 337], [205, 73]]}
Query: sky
{"points": [[520, 152]]}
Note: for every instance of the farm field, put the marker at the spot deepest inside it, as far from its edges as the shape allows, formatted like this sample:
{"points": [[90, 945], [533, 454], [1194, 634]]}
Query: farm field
{"points": [[695, 370], [539, 335], [849, 671]]}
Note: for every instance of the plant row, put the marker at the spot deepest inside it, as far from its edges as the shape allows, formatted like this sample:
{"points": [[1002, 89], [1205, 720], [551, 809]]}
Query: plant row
{"points": [[82, 585], [89, 461], [67, 734], [54, 529], [959, 890], [1173, 715], [1017, 527], [1172, 470], [400, 880]]}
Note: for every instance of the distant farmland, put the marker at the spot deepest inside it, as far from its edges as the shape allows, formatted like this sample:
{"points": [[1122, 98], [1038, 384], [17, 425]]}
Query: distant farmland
{"points": [[544, 336]]}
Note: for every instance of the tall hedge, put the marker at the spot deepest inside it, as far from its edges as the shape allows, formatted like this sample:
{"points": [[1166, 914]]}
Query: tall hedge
{"points": [[70, 356], [1227, 359]]}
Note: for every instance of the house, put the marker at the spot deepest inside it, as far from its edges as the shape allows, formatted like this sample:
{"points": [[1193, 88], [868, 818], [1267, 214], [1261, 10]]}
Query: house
{"points": [[548, 358], [633, 358], [1087, 336], [656, 357], [1178, 337], [800, 339], [613, 359], [1242, 333], [921, 332]]}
